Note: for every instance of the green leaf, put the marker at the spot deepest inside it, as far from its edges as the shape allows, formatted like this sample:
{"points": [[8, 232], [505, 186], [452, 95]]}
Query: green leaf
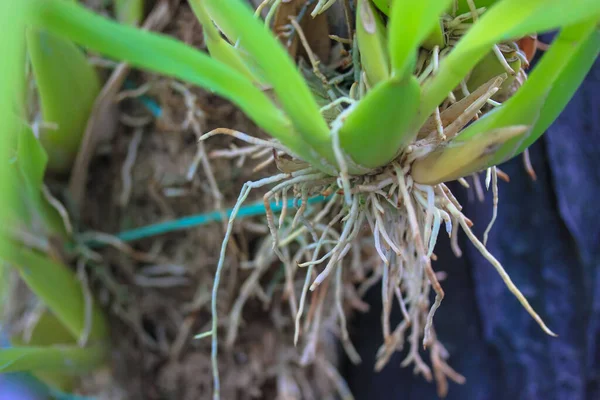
{"points": [[167, 56], [411, 22], [67, 85], [383, 6], [56, 286], [507, 19], [278, 69], [70, 359], [533, 98], [376, 130], [435, 38], [372, 43], [463, 156], [218, 47], [12, 95], [31, 160], [564, 87], [48, 331]]}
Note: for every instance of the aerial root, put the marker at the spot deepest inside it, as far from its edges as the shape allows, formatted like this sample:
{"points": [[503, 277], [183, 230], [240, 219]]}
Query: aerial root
{"points": [[505, 277], [494, 179]]}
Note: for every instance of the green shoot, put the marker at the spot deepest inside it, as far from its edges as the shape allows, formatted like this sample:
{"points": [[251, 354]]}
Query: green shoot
{"points": [[372, 43]]}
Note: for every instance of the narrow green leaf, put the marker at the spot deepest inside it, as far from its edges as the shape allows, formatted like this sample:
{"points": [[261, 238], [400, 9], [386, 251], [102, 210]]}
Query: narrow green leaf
{"points": [[56, 286], [71, 359], [410, 24], [218, 47], [372, 43], [526, 106], [507, 19], [167, 56], [278, 69], [378, 128], [67, 85]]}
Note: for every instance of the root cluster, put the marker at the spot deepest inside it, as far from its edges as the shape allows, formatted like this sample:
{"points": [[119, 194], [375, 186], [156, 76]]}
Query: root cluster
{"points": [[376, 227]]}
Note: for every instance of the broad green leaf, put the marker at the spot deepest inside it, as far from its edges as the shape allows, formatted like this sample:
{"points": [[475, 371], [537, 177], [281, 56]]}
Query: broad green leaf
{"points": [[411, 22], [376, 130], [278, 69], [372, 43], [218, 47], [56, 286], [67, 85], [507, 19], [129, 12], [71, 359], [526, 105]]}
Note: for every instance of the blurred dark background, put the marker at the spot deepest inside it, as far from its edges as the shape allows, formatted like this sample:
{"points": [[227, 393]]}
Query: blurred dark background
{"points": [[547, 236]]}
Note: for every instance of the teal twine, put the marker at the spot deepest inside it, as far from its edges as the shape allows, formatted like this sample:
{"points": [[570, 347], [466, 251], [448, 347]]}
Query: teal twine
{"points": [[192, 221], [150, 104]]}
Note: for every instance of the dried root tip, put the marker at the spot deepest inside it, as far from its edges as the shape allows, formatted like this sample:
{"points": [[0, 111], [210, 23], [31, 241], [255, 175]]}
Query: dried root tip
{"points": [[528, 166]]}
